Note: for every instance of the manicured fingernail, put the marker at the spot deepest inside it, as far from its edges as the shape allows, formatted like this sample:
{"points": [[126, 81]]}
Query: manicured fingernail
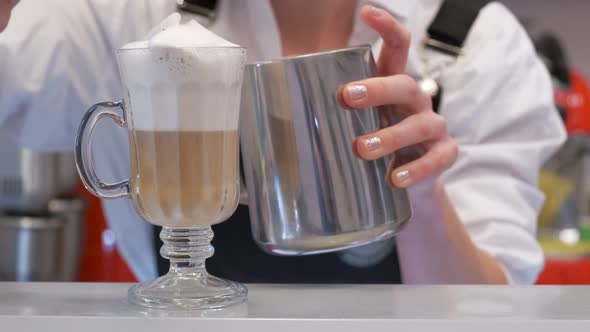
{"points": [[373, 143], [357, 92], [401, 177], [376, 11]]}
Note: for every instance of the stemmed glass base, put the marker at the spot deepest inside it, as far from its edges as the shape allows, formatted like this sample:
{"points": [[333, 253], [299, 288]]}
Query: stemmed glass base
{"points": [[187, 285]]}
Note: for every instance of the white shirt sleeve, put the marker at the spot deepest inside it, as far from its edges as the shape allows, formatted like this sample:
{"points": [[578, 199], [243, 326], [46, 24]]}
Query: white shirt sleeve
{"points": [[57, 58], [39, 73], [499, 107], [33, 87]]}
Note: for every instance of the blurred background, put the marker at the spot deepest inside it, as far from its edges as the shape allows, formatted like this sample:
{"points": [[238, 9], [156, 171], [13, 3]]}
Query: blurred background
{"points": [[52, 229], [560, 32], [566, 19]]}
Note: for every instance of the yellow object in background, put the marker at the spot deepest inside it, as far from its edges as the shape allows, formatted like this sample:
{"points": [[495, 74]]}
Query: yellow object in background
{"points": [[557, 190], [554, 248]]}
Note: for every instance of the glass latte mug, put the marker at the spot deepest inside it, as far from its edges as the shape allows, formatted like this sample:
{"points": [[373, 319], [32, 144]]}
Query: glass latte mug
{"points": [[181, 111]]}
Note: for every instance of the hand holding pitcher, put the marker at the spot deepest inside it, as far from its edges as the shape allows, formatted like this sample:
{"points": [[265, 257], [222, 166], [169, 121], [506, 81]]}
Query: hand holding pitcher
{"points": [[421, 126]]}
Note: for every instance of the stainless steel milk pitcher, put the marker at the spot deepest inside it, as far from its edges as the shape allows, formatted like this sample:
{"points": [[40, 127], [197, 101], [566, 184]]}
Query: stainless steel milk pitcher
{"points": [[307, 192]]}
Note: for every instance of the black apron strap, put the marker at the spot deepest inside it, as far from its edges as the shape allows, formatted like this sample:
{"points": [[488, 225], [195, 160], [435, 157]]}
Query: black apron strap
{"points": [[452, 24], [206, 9], [448, 31]]}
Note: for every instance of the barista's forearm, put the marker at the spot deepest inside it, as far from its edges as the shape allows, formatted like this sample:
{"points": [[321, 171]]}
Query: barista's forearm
{"points": [[5, 8], [435, 247]]}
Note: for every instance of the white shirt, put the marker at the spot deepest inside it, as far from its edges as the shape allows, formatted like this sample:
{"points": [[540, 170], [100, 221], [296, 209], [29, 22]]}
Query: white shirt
{"points": [[57, 57]]}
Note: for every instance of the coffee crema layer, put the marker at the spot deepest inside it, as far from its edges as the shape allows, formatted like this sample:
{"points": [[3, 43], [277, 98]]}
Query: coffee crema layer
{"points": [[185, 179]]}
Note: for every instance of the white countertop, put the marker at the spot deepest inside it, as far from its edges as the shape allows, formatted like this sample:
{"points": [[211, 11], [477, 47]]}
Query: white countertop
{"points": [[90, 307]]}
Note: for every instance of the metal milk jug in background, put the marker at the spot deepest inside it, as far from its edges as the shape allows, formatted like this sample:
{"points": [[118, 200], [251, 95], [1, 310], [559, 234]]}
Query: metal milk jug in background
{"points": [[306, 190]]}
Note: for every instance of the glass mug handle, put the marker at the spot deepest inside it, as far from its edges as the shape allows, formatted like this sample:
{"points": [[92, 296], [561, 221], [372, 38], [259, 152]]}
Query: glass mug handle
{"points": [[84, 161]]}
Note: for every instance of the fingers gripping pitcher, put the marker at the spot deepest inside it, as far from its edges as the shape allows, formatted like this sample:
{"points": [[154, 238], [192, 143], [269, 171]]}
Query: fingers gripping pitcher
{"points": [[181, 110]]}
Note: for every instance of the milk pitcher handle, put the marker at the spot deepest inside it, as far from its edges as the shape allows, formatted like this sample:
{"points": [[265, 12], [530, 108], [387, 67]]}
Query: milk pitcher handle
{"points": [[84, 161]]}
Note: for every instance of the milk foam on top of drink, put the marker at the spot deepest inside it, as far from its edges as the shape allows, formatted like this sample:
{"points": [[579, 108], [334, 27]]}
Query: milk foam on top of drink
{"points": [[182, 77], [172, 33]]}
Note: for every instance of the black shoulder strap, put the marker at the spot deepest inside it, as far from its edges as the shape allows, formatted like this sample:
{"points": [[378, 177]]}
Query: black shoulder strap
{"points": [[447, 34], [450, 27], [205, 8]]}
